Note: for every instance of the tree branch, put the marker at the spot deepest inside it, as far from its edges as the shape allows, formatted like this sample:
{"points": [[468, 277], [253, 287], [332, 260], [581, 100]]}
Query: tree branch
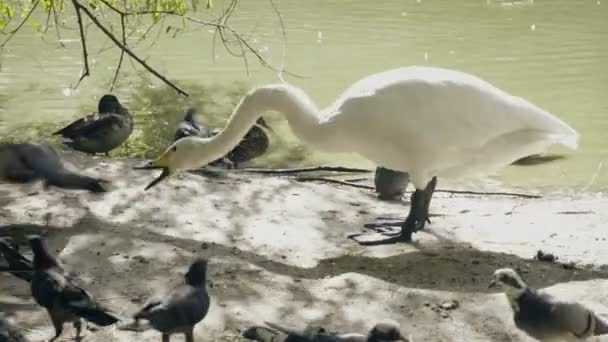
{"points": [[83, 42], [126, 49], [13, 32]]}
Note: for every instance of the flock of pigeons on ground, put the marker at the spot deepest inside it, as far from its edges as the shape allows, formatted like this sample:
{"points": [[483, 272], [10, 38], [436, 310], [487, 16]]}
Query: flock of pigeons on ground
{"points": [[538, 314]]}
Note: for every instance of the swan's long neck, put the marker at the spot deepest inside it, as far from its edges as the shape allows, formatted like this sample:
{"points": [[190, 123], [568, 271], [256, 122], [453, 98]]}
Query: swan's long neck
{"points": [[299, 110]]}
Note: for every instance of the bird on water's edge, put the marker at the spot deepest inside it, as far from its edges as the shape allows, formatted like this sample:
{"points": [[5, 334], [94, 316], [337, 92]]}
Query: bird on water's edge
{"points": [[429, 122]]}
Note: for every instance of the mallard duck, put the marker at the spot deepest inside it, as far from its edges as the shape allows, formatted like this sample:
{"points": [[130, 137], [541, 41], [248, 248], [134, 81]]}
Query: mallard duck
{"points": [[27, 162], [99, 132], [254, 143], [390, 184]]}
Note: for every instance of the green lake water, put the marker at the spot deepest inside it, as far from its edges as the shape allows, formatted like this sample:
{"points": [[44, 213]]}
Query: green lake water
{"points": [[553, 52]]}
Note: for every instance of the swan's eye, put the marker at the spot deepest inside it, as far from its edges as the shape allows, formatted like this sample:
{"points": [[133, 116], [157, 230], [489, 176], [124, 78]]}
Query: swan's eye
{"points": [[174, 149]]}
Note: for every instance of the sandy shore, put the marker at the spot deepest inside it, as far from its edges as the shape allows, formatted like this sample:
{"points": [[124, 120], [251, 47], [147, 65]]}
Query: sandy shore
{"points": [[279, 252]]}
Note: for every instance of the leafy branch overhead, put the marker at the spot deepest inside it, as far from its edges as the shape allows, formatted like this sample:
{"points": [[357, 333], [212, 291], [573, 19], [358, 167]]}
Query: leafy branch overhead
{"points": [[136, 19]]}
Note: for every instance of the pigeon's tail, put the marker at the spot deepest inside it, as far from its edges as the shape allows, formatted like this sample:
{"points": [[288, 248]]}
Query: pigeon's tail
{"points": [[261, 334], [18, 265], [601, 325], [94, 314]]}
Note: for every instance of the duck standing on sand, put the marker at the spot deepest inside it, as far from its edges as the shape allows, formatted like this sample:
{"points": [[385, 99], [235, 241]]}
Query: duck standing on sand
{"points": [[99, 132], [254, 143]]}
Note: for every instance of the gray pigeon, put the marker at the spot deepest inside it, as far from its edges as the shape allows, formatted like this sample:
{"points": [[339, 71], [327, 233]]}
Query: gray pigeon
{"points": [[10, 333], [182, 308], [381, 332], [390, 184], [544, 317], [28, 162], [62, 298]]}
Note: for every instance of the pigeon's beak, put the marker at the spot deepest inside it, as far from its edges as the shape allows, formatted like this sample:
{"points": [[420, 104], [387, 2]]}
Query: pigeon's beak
{"points": [[161, 163], [492, 284]]}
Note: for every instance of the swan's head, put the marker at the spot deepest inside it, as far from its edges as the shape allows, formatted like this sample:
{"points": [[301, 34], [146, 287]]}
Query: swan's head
{"points": [[185, 154]]}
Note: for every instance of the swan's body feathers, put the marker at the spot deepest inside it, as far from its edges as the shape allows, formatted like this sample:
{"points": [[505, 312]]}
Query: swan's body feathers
{"points": [[438, 122]]}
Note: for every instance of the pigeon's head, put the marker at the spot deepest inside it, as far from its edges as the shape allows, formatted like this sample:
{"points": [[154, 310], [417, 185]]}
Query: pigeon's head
{"points": [[508, 280], [42, 258], [386, 332], [197, 272]]}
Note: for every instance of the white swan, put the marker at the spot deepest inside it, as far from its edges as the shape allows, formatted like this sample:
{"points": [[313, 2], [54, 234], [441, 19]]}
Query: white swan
{"points": [[429, 122]]}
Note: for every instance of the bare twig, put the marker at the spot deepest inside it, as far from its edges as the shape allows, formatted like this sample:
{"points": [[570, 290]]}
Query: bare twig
{"points": [[124, 41], [284, 53], [27, 16], [305, 169], [335, 181], [83, 42], [109, 34], [221, 27], [481, 193]]}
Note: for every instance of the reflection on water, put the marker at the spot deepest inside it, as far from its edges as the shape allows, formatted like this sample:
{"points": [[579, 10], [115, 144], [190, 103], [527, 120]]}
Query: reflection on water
{"points": [[551, 52]]}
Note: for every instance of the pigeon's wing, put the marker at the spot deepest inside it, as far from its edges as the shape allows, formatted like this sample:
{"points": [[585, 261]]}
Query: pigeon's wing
{"points": [[575, 318], [309, 334], [184, 306], [18, 265], [53, 290], [81, 303]]}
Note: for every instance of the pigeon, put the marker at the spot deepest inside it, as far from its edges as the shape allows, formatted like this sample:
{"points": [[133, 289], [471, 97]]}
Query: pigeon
{"points": [[381, 332], [182, 308], [544, 317], [18, 265], [390, 184], [10, 333], [58, 293], [27, 162]]}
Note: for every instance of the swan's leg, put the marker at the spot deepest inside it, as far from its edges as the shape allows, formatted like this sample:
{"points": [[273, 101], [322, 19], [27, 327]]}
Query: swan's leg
{"points": [[419, 211], [416, 219]]}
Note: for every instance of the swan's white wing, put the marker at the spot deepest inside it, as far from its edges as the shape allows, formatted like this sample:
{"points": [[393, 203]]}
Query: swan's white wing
{"points": [[437, 120]]}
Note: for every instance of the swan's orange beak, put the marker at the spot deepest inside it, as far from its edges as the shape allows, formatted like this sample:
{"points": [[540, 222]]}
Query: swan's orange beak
{"points": [[161, 163]]}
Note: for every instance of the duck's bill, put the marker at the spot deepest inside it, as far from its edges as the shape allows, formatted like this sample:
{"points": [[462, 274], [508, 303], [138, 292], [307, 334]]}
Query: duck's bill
{"points": [[492, 284], [166, 173]]}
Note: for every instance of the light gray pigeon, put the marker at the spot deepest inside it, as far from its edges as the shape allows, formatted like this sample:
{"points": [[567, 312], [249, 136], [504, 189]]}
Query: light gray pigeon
{"points": [[545, 317], [58, 293], [182, 308], [381, 332], [10, 333]]}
